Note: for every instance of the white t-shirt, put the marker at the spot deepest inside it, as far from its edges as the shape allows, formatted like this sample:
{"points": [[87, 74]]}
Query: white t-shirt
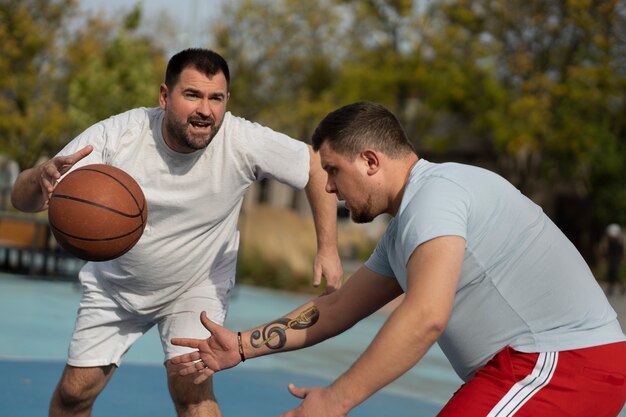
{"points": [[193, 199], [523, 283]]}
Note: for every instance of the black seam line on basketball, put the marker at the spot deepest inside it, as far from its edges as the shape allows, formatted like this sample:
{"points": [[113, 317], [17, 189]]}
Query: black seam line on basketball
{"points": [[91, 239], [81, 200], [118, 181]]}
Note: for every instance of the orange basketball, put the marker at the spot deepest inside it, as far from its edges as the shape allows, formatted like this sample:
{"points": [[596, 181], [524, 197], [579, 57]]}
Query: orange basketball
{"points": [[97, 212]]}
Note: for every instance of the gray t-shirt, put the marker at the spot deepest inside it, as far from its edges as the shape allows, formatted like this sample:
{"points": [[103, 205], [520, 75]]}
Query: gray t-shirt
{"points": [[523, 283], [193, 199]]}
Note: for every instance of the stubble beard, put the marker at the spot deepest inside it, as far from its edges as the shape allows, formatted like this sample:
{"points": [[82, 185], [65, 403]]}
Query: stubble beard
{"points": [[363, 214]]}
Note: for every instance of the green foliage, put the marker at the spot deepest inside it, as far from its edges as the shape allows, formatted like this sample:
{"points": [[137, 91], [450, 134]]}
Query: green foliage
{"points": [[54, 83], [31, 117], [544, 83], [318, 55], [280, 76], [108, 63], [537, 89]]}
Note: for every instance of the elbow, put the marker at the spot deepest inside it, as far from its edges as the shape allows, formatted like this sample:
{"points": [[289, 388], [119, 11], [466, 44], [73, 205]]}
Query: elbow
{"points": [[430, 315], [26, 194], [435, 327], [431, 322], [19, 203], [15, 201]]}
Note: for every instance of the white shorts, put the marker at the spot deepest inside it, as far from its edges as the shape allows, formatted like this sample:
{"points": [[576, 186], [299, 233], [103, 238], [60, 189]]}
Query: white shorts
{"points": [[104, 331]]}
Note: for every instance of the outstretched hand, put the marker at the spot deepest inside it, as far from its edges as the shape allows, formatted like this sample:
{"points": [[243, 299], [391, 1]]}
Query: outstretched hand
{"points": [[317, 402], [220, 351]]}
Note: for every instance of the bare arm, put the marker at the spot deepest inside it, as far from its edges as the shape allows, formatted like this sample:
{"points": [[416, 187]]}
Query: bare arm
{"points": [[324, 317], [32, 188], [432, 276], [324, 208]]}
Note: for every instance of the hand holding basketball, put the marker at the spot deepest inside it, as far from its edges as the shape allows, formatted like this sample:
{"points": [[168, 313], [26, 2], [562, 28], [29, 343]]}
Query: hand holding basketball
{"points": [[59, 165], [97, 212]]}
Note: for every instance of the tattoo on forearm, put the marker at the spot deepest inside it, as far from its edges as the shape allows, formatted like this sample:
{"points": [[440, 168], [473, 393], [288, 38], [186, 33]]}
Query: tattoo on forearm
{"points": [[274, 334]]}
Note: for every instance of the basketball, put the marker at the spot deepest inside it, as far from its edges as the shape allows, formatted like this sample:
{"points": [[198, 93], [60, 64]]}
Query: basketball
{"points": [[97, 212]]}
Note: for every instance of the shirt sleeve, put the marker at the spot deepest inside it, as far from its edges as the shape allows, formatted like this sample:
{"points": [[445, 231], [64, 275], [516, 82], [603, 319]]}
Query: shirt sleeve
{"points": [[104, 136], [440, 207], [94, 136], [379, 259], [271, 154]]}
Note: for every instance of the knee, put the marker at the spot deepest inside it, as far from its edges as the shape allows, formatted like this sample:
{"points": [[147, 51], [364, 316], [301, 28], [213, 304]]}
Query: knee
{"points": [[78, 388], [70, 395], [188, 396]]}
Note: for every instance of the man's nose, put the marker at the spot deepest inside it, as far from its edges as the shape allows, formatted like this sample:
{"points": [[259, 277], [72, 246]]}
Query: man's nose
{"points": [[204, 108]]}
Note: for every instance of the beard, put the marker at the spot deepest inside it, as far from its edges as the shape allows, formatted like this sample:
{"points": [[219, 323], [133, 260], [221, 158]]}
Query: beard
{"points": [[178, 131], [363, 214]]}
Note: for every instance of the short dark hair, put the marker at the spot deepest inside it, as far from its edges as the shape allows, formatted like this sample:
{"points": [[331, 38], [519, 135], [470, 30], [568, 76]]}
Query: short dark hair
{"points": [[204, 60], [351, 128]]}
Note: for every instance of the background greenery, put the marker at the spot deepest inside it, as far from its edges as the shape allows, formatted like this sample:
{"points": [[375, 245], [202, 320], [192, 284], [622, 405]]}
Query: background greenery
{"points": [[535, 90]]}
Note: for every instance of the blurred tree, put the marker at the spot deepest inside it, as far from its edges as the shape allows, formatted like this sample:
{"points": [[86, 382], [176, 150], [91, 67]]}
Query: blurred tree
{"points": [[111, 68], [32, 119], [281, 77], [59, 74], [317, 56], [383, 52], [540, 80], [544, 84], [537, 87]]}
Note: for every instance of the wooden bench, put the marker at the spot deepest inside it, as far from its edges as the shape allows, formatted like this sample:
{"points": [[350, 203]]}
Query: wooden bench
{"points": [[27, 245]]}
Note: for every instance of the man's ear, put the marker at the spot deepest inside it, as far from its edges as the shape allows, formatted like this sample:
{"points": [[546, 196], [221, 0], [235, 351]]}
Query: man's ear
{"points": [[372, 159], [163, 96]]}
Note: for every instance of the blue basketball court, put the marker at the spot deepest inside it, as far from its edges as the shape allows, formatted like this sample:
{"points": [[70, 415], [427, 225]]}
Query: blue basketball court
{"points": [[36, 321], [37, 317]]}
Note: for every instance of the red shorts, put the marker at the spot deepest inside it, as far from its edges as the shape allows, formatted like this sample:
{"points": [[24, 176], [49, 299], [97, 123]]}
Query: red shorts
{"points": [[588, 382]]}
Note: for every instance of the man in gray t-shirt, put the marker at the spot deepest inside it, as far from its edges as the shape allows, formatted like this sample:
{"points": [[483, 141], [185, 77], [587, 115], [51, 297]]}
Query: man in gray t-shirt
{"points": [[514, 261], [484, 271]]}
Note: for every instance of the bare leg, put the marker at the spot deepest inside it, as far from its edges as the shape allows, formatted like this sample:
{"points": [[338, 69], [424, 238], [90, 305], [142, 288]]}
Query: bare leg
{"points": [[191, 400], [77, 390]]}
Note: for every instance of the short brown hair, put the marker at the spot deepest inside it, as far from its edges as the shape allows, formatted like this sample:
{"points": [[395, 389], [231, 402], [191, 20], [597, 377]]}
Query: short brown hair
{"points": [[204, 60], [351, 128]]}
